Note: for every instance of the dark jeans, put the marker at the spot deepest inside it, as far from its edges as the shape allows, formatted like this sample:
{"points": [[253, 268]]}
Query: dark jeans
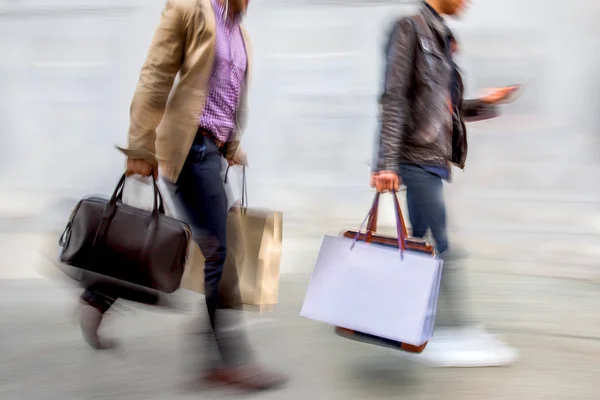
{"points": [[427, 211], [425, 200], [201, 195], [202, 201]]}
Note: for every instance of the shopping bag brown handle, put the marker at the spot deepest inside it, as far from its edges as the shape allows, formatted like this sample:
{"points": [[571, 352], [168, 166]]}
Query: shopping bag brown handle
{"points": [[372, 219], [372, 225]]}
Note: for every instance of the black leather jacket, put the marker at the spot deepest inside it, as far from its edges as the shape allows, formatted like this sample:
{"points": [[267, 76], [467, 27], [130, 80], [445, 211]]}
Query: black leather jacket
{"points": [[417, 126]]}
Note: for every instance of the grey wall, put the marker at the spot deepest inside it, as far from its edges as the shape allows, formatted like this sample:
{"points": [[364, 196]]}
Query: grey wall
{"points": [[529, 194]]}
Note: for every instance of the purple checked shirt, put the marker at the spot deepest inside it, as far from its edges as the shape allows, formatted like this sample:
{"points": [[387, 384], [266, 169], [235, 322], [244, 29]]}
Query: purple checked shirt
{"points": [[227, 78]]}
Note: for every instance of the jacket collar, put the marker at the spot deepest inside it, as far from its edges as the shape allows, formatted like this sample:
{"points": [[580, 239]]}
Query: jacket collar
{"points": [[435, 22]]}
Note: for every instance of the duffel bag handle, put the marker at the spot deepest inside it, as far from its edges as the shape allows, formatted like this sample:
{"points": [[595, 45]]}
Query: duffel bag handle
{"points": [[157, 196], [111, 208]]}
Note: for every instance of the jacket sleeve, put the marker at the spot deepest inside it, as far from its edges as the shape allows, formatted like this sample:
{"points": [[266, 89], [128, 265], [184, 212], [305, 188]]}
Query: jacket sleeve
{"points": [[476, 110], [394, 105], [158, 73]]}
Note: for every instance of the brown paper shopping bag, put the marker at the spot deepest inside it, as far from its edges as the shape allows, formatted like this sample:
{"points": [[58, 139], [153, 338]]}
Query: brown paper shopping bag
{"points": [[251, 272], [258, 268]]}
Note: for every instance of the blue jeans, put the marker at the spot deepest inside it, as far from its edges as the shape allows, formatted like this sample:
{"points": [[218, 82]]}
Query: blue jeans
{"points": [[427, 211], [426, 208]]}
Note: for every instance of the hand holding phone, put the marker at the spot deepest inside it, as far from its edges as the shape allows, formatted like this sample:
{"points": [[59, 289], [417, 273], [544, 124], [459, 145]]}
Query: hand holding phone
{"points": [[500, 95]]}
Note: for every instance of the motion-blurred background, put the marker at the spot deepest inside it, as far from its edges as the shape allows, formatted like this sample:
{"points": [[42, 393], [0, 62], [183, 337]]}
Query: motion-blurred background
{"points": [[526, 208]]}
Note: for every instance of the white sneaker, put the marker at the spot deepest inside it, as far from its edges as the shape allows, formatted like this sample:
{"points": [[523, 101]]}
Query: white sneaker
{"points": [[471, 347]]}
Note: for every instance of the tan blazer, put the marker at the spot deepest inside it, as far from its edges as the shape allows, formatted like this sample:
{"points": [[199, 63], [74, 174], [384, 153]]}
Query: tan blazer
{"points": [[164, 116]]}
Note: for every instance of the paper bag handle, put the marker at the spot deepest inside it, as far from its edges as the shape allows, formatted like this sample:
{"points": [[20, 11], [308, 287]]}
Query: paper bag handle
{"points": [[244, 199], [372, 222]]}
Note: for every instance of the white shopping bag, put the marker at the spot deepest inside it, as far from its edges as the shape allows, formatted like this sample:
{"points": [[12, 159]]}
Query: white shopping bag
{"points": [[370, 288]]}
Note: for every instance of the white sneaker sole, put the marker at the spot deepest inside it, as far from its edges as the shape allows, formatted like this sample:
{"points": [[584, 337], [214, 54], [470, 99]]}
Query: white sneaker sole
{"points": [[496, 356], [511, 357]]}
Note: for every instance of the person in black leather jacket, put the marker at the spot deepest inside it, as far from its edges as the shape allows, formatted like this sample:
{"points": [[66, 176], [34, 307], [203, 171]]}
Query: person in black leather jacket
{"points": [[422, 135]]}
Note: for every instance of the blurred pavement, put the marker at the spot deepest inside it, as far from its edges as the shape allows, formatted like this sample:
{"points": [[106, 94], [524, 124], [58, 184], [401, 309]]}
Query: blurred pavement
{"points": [[553, 322]]}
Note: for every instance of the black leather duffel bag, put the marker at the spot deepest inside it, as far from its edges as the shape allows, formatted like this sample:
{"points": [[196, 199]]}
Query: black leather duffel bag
{"points": [[108, 241]]}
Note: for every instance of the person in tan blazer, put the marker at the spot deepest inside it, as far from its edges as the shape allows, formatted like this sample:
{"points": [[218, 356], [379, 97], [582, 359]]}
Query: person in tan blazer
{"points": [[187, 114]]}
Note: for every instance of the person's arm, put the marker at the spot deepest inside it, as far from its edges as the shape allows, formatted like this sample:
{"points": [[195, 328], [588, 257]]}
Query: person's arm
{"points": [[156, 81], [486, 106], [477, 110], [394, 101]]}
